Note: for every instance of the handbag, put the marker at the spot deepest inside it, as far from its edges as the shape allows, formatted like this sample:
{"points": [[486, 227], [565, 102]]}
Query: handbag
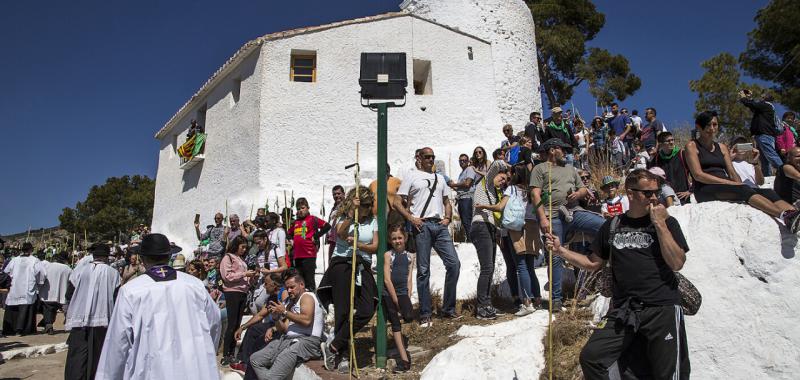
{"points": [[691, 299], [498, 215]]}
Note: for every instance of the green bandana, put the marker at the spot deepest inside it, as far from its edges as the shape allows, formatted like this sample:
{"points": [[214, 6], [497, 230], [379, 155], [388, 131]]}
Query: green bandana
{"points": [[669, 156], [561, 127]]}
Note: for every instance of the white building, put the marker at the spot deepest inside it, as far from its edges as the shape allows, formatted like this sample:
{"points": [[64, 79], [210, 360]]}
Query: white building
{"points": [[283, 114]]}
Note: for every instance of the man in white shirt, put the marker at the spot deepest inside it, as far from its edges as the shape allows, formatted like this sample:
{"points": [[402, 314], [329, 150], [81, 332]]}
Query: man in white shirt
{"points": [[300, 327], [746, 163], [165, 325], [27, 273], [53, 292], [90, 293], [429, 213]]}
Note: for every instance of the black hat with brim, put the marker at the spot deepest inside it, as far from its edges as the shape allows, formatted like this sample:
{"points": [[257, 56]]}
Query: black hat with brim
{"points": [[100, 249], [156, 245], [552, 143]]}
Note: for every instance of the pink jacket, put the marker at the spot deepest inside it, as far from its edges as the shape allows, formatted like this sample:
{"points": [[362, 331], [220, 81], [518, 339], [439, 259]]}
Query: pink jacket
{"points": [[786, 140], [232, 269]]}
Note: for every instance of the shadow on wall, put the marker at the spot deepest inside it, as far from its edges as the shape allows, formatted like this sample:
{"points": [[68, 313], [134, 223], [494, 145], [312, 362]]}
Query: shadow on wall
{"points": [[192, 176]]}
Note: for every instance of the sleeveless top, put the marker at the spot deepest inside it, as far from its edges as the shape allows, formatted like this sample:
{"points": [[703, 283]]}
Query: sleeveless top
{"points": [[712, 162], [315, 329], [400, 262], [787, 188]]}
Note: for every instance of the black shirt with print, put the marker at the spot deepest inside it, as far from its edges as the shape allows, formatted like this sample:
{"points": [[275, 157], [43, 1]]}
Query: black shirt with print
{"points": [[637, 264]]}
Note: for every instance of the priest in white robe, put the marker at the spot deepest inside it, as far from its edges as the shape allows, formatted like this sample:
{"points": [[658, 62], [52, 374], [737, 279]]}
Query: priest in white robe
{"points": [[53, 293], [91, 290], [27, 274], [165, 325]]}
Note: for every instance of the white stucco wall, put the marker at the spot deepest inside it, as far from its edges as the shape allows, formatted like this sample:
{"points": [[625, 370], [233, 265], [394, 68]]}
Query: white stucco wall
{"points": [[508, 25], [230, 166], [307, 131]]}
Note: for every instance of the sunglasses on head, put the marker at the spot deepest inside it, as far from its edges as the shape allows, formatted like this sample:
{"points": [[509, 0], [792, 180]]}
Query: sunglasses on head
{"points": [[649, 193]]}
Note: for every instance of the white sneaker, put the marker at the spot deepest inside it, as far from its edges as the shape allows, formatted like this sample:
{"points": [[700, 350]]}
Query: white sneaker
{"points": [[525, 310]]}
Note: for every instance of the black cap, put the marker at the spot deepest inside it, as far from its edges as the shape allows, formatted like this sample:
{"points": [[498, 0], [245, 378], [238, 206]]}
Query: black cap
{"points": [[100, 249], [156, 245], [553, 142]]}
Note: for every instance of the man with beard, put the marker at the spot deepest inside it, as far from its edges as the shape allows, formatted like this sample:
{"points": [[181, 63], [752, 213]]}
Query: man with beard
{"points": [[557, 210]]}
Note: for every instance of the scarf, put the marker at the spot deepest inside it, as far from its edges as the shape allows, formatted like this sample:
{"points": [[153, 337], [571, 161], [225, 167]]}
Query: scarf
{"points": [[670, 155], [560, 127]]}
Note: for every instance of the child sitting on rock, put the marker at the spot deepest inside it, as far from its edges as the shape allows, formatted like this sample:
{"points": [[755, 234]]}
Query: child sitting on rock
{"points": [[614, 204]]}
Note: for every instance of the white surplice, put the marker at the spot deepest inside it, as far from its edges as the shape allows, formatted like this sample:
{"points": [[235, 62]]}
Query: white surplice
{"points": [[93, 299], [162, 330], [27, 273], [54, 288]]}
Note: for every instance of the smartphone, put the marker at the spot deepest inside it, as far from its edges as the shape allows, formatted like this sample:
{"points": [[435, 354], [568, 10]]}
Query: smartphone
{"points": [[197, 218], [746, 147]]}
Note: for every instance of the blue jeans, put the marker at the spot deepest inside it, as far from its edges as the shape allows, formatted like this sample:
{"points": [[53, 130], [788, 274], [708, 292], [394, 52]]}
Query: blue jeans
{"points": [[528, 283], [769, 155], [436, 236], [582, 221], [465, 212]]}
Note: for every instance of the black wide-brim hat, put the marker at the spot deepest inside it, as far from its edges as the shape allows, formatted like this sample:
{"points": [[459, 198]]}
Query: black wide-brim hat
{"points": [[553, 142], [100, 249], [156, 245]]}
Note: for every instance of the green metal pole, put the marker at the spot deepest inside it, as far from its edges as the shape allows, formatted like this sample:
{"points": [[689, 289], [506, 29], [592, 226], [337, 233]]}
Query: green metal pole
{"points": [[382, 212]]}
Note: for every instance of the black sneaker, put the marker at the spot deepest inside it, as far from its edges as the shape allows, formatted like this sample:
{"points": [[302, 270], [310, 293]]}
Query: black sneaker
{"points": [[496, 312], [402, 366], [791, 219], [450, 316], [328, 356], [557, 306], [486, 313], [425, 322]]}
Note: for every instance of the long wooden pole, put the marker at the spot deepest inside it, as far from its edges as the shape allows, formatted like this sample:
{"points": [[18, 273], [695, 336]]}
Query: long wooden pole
{"points": [[354, 363]]}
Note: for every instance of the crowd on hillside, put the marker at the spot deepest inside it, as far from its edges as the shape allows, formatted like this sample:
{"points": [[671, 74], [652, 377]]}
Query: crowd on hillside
{"points": [[553, 186]]}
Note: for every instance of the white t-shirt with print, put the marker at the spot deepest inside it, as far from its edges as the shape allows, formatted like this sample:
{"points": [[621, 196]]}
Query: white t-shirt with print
{"points": [[417, 185], [746, 172]]}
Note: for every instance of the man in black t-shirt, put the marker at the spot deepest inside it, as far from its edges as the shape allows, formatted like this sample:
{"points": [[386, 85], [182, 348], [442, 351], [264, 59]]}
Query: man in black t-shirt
{"points": [[644, 246]]}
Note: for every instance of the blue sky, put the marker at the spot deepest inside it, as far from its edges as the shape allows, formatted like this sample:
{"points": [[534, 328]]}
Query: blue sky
{"points": [[84, 85]]}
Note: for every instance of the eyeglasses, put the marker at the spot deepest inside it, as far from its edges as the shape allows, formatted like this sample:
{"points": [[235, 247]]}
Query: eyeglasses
{"points": [[648, 193], [429, 156], [586, 177]]}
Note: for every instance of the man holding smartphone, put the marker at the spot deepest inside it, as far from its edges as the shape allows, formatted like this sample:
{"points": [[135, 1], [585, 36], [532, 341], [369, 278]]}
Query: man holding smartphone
{"points": [[744, 158]]}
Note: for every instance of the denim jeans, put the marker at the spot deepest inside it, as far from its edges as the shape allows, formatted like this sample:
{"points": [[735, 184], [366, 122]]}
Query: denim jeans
{"points": [[465, 212], [769, 155], [485, 242], [436, 236], [582, 221], [528, 283], [507, 249]]}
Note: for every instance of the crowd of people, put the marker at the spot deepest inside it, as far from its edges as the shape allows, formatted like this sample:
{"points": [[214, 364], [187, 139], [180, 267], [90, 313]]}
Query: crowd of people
{"points": [[553, 187]]}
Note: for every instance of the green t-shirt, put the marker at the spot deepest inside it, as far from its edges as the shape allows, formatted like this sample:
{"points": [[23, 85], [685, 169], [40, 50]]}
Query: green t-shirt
{"points": [[565, 180]]}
